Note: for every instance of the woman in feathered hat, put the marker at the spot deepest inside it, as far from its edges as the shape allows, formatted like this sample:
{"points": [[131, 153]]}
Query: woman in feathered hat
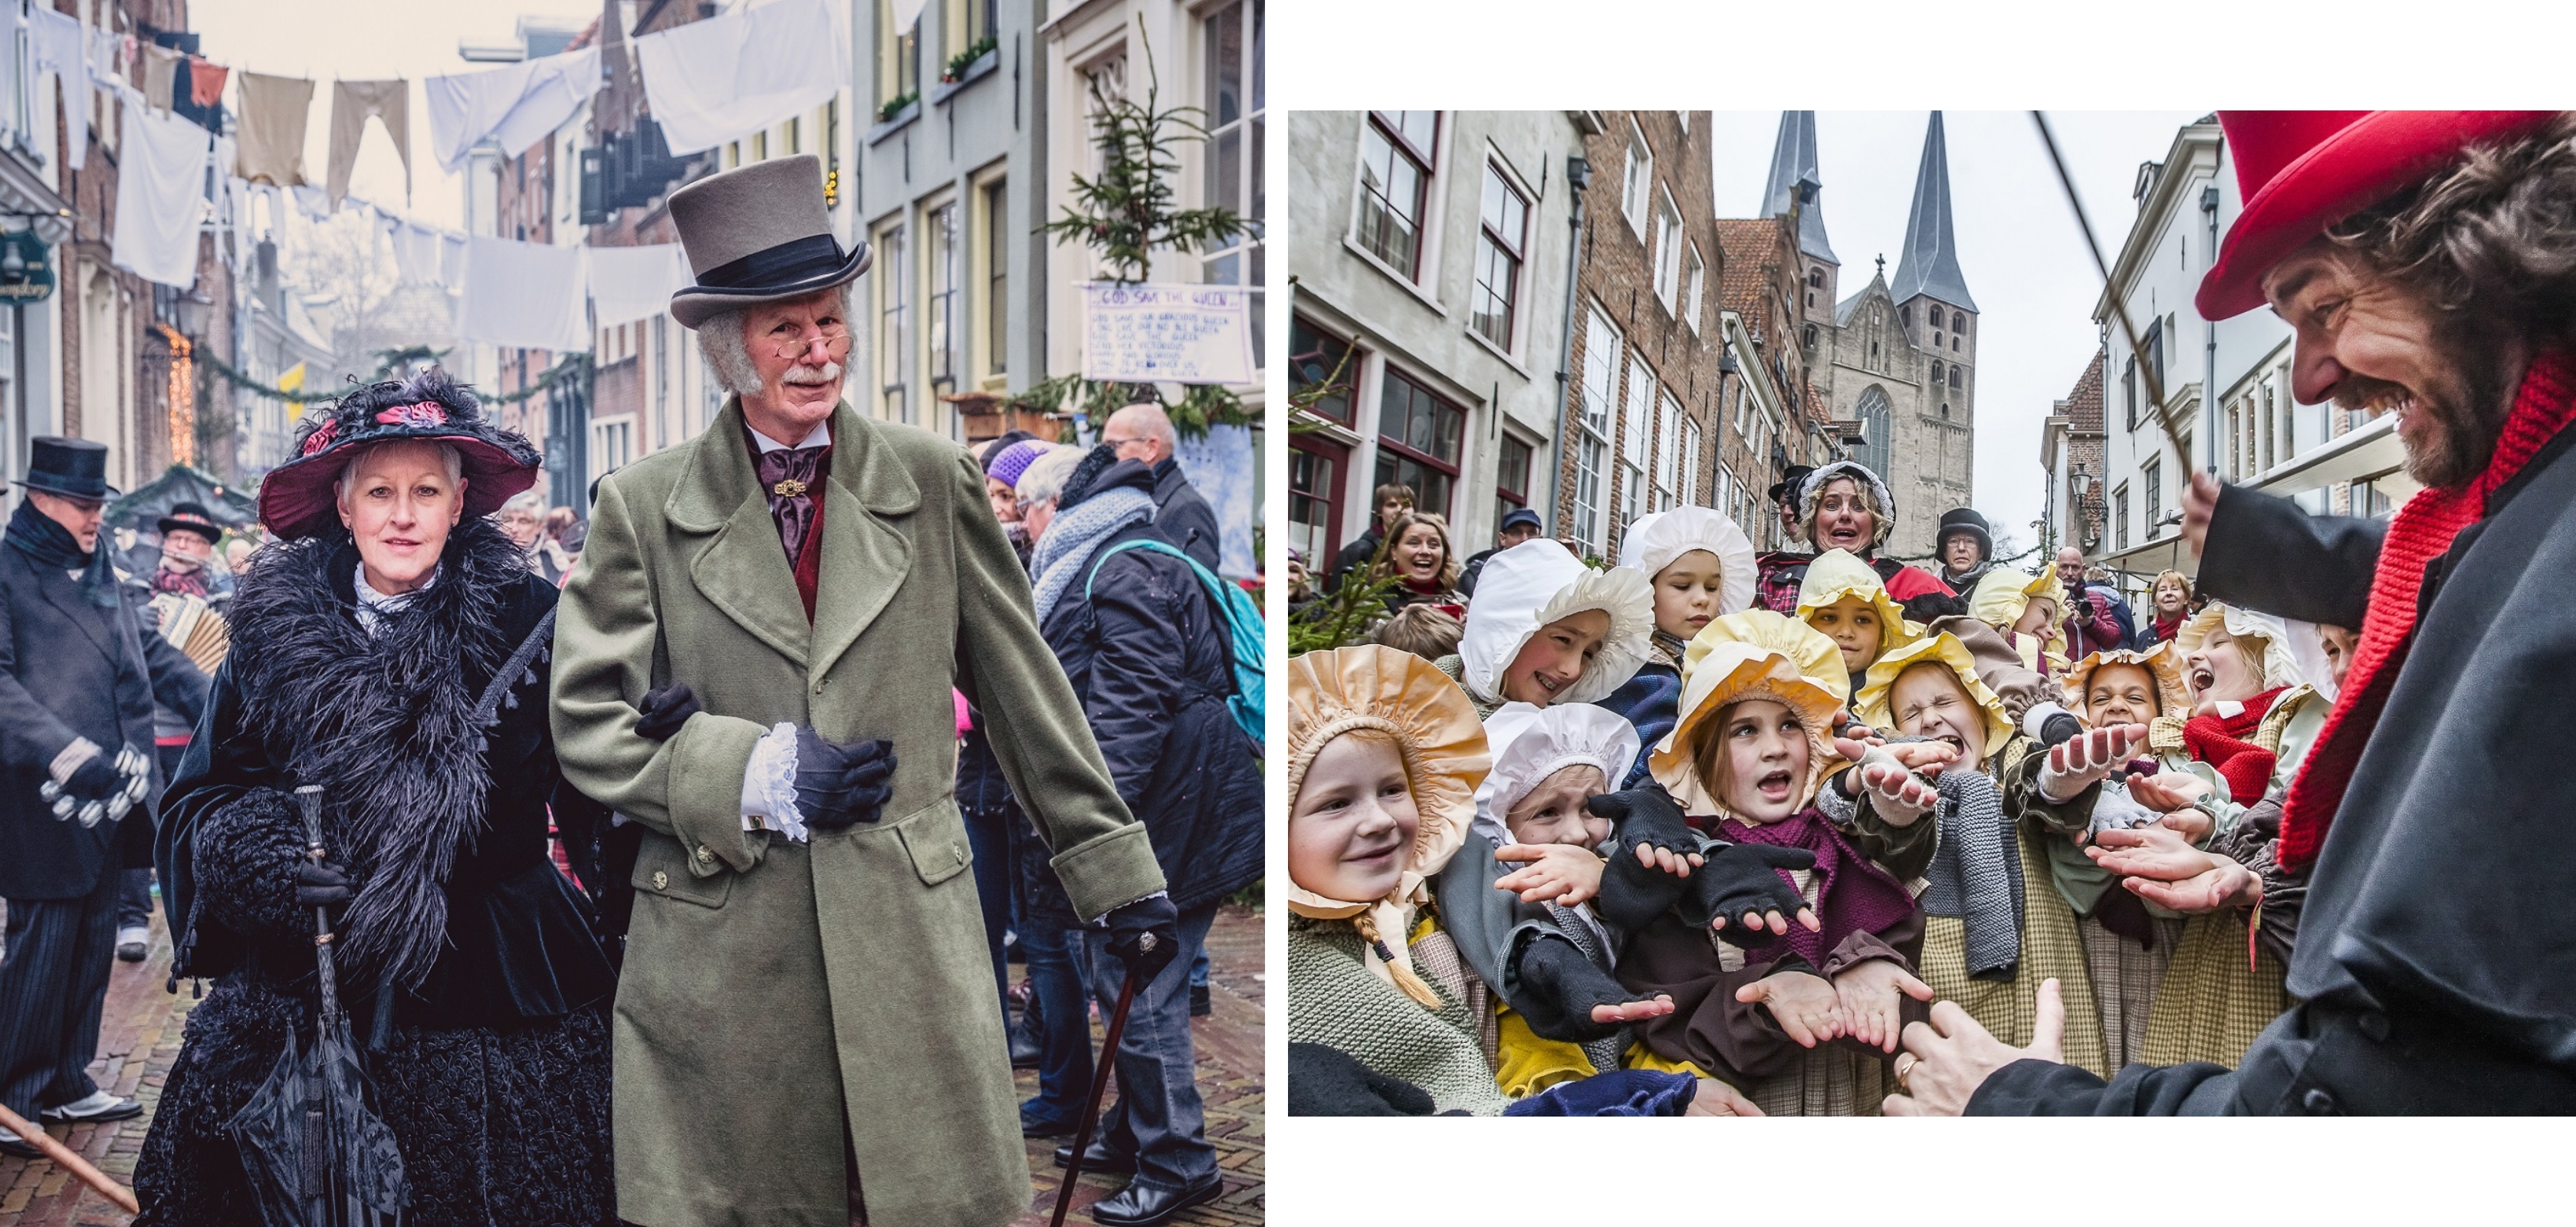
{"points": [[1844, 506], [392, 647]]}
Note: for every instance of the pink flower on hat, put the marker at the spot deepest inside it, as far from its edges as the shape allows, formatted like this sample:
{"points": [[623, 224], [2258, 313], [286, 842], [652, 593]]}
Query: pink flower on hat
{"points": [[425, 413], [321, 438]]}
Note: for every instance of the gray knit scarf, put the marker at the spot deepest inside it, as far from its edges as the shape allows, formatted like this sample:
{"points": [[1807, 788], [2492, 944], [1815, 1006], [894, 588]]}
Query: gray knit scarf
{"points": [[1063, 554], [1976, 873], [1587, 933]]}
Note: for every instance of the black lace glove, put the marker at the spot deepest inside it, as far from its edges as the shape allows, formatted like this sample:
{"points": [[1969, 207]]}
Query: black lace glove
{"points": [[323, 885], [1325, 1081], [1145, 935], [841, 785], [1559, 987], [1741, 878], [95, 780], [665, 710]]}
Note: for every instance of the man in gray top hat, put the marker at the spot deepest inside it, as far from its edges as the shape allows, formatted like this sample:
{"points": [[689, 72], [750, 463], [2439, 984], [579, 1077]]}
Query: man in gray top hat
{"points": [[754, 662]]}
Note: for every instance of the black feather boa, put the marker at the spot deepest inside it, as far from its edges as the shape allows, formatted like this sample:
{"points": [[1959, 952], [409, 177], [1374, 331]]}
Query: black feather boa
{"points": [[383, 722]]}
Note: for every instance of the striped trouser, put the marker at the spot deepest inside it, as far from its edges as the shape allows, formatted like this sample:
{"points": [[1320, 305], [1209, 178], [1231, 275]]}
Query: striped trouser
{"points": [[53, 985]]}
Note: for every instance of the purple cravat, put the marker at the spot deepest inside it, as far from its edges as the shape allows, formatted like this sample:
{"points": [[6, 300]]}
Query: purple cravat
{"points": [[787, 479]]}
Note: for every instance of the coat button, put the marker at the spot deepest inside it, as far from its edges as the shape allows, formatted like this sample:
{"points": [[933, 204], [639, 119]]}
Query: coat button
{"points": [[2318, 1102], [704, 856], [661, 880], [2375, 1025], [957, 850]]}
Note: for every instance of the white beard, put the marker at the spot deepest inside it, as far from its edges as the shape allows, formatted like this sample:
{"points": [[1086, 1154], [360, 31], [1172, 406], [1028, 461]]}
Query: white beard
{"points": [[807, 376]]}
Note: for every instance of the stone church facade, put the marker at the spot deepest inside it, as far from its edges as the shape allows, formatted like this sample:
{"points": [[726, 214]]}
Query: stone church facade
{"points": [[1899, 356]]}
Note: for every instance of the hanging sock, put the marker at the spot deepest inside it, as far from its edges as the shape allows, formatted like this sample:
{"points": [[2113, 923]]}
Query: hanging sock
{"points": [[273, 111], [57, 47], [352, 103]]}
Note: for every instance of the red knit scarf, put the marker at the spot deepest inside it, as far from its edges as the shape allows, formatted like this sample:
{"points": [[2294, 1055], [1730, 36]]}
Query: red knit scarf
{"points": [[2226, 744], [2421, 531]]}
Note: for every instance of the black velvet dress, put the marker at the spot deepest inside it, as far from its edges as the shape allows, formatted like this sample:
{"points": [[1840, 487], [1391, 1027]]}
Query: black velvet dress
{"points": [[478, 991]]}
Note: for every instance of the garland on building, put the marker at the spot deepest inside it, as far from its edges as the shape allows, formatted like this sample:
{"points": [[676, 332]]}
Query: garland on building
{"points": [[387, 361]]}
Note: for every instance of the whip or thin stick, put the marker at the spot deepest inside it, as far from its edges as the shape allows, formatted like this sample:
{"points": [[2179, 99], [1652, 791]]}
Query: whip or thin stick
{"points": [[316, 1172], [1099, 1087], [65, 1159], [2119, 309]]}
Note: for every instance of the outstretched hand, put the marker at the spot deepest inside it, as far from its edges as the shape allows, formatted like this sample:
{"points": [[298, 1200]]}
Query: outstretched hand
{"points": [[1953, 1056], [1743, 880], [1896, 791], [1805, 1005], [1633, 1011], [2076, 765], [1715, 1098], [1872, 997], [1647, 819], [1550, 873]]}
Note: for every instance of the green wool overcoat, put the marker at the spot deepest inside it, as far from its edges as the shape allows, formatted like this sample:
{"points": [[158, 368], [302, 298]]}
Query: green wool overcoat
{"points": [[773, 990]]}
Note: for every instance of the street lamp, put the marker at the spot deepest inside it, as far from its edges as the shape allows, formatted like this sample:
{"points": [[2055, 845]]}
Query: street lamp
{"points": [[193, 309]]}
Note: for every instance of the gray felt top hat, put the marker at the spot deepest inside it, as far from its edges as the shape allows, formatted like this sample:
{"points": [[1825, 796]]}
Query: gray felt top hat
{"points": [[756, 235]]}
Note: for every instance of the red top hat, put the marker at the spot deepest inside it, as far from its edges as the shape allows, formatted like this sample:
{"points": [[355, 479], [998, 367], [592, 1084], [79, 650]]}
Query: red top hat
{"points": [[2302, 171]]}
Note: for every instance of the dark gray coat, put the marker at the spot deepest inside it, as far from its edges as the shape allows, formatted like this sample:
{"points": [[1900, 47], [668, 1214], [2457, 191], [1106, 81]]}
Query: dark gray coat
{"points": [[71, 669], [1182, 517], [2436, 958]]}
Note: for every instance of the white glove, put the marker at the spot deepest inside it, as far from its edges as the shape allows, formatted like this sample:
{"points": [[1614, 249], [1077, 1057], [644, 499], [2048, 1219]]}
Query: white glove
{"points": [[1899, 795], [2077, 765]]}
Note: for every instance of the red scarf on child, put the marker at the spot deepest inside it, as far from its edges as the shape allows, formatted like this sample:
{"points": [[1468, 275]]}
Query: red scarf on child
{"points": [[2226, 744], [2421, 531]]}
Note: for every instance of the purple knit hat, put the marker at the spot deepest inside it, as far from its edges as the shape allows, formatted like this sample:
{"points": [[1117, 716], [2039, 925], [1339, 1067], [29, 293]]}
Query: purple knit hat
{"points": [[1014, 460]]}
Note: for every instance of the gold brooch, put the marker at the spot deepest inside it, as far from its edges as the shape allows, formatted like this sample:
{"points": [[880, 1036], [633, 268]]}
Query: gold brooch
{"points": [[790, 488]]}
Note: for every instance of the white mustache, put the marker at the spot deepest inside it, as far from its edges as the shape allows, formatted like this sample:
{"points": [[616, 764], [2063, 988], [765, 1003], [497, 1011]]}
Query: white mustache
{"points": [[830, 372]]}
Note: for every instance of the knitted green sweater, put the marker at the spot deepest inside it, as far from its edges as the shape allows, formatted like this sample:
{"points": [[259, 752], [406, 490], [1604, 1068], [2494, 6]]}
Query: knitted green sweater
{"points": [[1334, 1000]]}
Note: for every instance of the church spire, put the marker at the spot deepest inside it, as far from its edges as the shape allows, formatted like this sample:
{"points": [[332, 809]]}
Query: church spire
{"points": [[1929, 263], [1793, 167]]}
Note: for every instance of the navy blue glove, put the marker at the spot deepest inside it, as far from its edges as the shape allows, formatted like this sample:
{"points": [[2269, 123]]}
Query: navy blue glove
{"points": [[841, 785], [1145, 935], [1618, 1092], [324, 885]]}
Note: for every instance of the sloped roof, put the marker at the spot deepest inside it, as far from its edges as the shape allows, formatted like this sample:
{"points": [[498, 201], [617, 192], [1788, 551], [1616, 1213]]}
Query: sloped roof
{"points": [[2084, 404], [1752, 247], [1929, 263], [1793, 165]]}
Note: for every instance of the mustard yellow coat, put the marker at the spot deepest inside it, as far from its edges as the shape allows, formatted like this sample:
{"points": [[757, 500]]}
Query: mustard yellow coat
{"points": [[774, 990]]}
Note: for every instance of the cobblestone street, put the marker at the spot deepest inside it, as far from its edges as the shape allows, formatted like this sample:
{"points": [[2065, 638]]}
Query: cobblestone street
{"points": [[139, 1038]]}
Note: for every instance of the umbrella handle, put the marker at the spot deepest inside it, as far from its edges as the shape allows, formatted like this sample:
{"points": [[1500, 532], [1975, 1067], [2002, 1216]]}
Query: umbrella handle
{"points": [[1099, 1087], [65, 1159], [326, 977]]}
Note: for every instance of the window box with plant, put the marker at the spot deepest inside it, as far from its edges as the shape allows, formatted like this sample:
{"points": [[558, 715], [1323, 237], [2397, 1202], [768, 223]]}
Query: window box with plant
{"points": [[964, 62]]}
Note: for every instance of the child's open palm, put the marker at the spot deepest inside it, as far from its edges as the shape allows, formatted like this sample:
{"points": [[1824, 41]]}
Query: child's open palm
{"points": [[1805, 1005], [1559, 873], [1872, 995]]}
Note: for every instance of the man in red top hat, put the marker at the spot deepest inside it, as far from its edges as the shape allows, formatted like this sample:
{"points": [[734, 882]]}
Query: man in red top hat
{"points": [[2426, 262]]}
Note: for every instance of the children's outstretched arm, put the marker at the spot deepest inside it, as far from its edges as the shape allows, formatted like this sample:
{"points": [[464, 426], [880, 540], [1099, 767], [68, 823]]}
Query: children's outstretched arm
{"points": [[1566, 997]]}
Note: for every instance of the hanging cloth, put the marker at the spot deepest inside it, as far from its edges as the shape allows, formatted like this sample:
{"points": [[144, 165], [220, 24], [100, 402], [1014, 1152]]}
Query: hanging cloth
{"points": [[633, 283], [58, 48], [516, 105], [416, 253], [451, 261], [161, 75], [713, 80], [525, 295], [352, 103], [160, 195], [273, 112], [206, 82]]}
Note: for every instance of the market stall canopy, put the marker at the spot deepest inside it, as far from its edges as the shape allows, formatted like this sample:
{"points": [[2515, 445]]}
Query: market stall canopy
{"points": [[232, 508]]}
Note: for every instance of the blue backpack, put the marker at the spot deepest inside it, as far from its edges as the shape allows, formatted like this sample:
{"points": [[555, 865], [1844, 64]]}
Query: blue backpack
{"points": [[1242, 624]]}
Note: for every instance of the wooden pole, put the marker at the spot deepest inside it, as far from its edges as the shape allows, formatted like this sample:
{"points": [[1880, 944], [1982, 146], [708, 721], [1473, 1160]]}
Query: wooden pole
{"points": [[2119, 309], [64, 1158]]}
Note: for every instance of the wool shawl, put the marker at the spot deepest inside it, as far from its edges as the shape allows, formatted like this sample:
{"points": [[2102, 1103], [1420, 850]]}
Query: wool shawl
{"points": [[1852, 894], [2420, 532], [385, 722]]}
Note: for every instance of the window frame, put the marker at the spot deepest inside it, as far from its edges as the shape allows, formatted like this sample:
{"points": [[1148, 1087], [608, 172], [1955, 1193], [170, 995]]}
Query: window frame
{"points": [[1337, 454], [1694, 286], [1636, 440], [1350, 367], [989, 248], [1388, 377], [1637, 178], [892, 324], [1595, 420], [2151, 477], [1665, 252], [1425, 163], [1493, 248], [1243, 260], [1508, 496]]}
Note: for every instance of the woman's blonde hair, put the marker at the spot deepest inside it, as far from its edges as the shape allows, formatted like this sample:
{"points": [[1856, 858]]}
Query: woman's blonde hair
{"points": [[1448, 550], [2188, 596], [1881, 523]]}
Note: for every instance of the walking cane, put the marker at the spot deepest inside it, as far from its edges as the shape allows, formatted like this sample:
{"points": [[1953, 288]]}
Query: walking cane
{"points": [[1099, 1087], [108, 1188]]}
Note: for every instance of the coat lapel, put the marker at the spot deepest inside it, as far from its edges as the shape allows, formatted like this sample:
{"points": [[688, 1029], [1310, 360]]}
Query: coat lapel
{"points": [[864, 559], [65, 595], [742, 570]]}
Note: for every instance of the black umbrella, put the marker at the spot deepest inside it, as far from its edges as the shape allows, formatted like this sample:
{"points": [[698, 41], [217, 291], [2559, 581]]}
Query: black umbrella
{"points": [[316, 1154]]}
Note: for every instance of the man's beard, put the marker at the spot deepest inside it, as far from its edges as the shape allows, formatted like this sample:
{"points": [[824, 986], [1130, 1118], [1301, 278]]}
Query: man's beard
{"points": [[2461, 435], [826, 374]]}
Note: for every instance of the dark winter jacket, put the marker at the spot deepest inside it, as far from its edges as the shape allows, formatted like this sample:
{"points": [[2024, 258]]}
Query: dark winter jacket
{"points": [[386, 724], [1151, 665], [71, 669], [1356, 556], [2433, 974], [1183, 517], [1652, 703]]}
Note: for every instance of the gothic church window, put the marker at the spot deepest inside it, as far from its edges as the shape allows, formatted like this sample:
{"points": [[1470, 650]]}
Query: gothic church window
{"points": [[1874, 418], [1954, 377], [1958, 321], [1936, 372]]}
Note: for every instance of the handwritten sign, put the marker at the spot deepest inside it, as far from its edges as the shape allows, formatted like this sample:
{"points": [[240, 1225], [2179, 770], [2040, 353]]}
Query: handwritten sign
{"points": [[1142, 332]]}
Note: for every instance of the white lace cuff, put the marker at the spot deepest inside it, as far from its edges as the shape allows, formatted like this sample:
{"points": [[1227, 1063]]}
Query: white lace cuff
{"points": [[80, 751], [769, 785]]}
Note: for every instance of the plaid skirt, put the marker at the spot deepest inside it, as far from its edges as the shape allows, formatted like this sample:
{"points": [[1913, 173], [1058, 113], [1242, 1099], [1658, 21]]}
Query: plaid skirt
{"points": [[2213, 1002], [2050, 947], [1834, 1080], [2125, 977]]}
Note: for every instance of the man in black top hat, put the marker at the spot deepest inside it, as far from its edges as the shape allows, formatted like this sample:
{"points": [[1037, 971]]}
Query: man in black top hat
{"points": [[1966, 548], [80, 667]]}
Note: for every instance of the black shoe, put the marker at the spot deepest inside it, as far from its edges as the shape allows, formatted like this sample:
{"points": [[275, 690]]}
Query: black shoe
{"points": [[19, 1150], [1143, 1205], [1199, 1007], [1026, 1051], [1099, 1160], [1032, 1127]]}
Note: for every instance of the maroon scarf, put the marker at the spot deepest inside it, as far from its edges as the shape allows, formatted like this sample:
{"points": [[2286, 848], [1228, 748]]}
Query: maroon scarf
{"points": [[1853, 895]]}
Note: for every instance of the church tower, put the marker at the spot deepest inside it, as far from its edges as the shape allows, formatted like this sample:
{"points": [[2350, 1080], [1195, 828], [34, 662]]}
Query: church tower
{"points": [[1931, 295], [1795, 184]]}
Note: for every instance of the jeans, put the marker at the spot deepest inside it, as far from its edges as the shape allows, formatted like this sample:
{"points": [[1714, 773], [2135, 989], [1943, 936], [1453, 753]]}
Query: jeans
{"points": [[134, 900], [1159, 1118], [1064, 1022], [988, 837], [1198, 969]]}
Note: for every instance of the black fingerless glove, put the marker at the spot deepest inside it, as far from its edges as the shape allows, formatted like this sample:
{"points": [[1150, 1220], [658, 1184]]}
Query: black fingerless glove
{"points": [[1557, 988], [1740, 878], [841, 785], [1325, 1081], [1634, 893], [95, 780], [1130, 927], [665, 710]]}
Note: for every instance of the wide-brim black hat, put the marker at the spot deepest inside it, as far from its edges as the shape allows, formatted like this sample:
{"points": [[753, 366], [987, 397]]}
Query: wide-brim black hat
{"points": [[296, 499], [191, 518], [73, 468], [760, 234], [1786, 489], [1964, 520]]}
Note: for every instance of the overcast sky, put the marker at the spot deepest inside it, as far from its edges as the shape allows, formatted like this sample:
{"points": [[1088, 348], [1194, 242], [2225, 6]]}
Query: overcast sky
{"points": [[2025, 261], [366, 40]]}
